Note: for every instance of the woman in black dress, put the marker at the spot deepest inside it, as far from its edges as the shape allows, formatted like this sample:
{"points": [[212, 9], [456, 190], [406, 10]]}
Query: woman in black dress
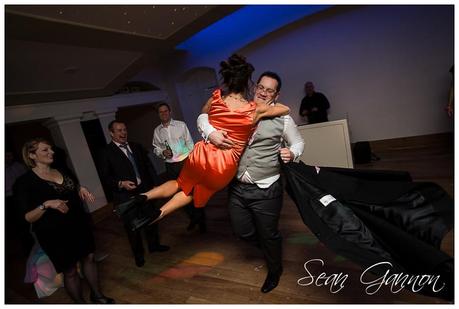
{"points": [[52, 202]]}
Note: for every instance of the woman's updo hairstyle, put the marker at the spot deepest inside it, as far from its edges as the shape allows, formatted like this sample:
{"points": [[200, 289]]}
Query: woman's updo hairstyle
{"points": [[236, 73]]}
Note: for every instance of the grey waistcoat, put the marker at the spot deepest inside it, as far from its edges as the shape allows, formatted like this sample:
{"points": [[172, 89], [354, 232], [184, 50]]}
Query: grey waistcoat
{"points": [[261, 157]]}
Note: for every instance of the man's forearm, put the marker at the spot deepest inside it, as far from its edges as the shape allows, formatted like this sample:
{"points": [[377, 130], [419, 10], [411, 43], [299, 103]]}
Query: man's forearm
{"points": [[293, 138], [204, 127], [156, 143], [297, 150]]}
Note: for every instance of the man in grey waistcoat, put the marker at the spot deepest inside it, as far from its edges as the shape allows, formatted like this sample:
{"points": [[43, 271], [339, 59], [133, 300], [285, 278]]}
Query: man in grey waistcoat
{"points": [[256, 193]]}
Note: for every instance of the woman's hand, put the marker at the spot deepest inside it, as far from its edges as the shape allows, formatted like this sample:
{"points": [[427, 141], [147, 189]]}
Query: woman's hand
{"points": [[58, 205], [86, 196]]}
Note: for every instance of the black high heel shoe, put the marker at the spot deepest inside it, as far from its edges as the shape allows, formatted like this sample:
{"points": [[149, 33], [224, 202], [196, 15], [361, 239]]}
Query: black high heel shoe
{"points": [[137, 212], [101, 300], [122, 208], [156, 216]]}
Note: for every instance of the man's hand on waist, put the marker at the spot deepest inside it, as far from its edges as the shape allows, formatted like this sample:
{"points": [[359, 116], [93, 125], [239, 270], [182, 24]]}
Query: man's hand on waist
{"points": [[220, 139]]}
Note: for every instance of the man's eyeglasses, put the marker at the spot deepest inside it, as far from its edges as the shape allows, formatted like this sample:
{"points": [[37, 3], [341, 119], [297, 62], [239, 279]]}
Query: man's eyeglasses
{"points": [[267, 90]]}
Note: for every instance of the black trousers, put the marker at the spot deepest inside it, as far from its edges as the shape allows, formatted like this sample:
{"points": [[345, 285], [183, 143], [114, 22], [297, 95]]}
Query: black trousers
{"points": [[197, 215], [136, 242], [255, 215], [151, 233]]}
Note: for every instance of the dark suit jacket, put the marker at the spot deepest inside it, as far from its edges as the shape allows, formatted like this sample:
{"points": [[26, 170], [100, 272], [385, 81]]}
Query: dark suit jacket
{"points": [[115, 166], [377, 217]]}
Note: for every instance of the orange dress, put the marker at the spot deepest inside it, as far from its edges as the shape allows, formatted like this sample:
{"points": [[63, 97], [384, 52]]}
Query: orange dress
{"points": [[209, 169]]}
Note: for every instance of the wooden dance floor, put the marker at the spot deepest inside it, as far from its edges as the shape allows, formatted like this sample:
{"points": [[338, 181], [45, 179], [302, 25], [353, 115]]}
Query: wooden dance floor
{"points": [[217, 268]]}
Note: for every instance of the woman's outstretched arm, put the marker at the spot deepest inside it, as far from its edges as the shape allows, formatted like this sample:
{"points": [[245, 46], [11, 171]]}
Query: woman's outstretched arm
{"points": [[267, 111]]}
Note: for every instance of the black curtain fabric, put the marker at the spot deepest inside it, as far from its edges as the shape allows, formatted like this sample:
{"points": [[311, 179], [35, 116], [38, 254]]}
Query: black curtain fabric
{"points": [[376, 216]]}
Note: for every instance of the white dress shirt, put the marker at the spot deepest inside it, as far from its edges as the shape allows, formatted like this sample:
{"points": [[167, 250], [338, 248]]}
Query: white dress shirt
{"points": [[177, 136], [291, 136]]}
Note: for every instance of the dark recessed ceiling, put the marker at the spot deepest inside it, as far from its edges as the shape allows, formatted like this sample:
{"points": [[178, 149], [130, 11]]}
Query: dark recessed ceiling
{"points": [[133, 27], [141, 20], [64, 52]]}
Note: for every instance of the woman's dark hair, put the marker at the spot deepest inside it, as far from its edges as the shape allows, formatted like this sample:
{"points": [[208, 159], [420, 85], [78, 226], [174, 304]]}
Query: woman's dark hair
{"points": [[236, 73]]}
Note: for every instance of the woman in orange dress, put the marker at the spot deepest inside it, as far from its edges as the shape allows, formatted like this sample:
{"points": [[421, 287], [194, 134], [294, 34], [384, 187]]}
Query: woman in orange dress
{"points": [[209, 169]]}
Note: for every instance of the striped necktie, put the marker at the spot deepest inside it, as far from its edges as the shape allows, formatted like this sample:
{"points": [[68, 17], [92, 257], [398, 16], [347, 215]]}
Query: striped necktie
{"points": [[131, 158]]}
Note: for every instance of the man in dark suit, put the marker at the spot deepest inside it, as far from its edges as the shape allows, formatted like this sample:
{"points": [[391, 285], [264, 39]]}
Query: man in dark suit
{"points": [[127, 171]]}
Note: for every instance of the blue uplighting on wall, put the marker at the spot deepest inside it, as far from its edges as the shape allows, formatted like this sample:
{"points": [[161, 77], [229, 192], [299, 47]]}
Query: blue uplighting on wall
{"points": [[246, 25]]}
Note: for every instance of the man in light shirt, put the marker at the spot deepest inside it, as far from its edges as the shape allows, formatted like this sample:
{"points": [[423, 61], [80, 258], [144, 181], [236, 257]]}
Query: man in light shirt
{"points": [[172, 142], [255, 195]]}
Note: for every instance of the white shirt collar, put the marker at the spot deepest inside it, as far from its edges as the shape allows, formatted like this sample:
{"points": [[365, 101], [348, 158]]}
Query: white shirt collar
{"points": [[171, 123], [119, 144]]}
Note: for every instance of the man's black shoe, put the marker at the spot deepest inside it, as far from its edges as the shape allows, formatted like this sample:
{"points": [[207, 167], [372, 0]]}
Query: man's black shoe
{"points": [[139, 262], [159, 248], [272, 280], [202, 227]]}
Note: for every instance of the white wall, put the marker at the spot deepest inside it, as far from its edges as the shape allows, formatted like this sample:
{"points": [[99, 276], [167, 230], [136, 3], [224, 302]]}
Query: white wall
{"points": [[385, 68], [158, 75]]}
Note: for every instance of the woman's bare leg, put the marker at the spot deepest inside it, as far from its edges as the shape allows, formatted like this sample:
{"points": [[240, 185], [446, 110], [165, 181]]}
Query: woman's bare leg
{"points": [[167, 189], [179, 200]]}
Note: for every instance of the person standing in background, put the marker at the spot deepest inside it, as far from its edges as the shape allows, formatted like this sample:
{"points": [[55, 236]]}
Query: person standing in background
{"points": [[52, 202], [314, 105], [127, 171], [172, 142]]}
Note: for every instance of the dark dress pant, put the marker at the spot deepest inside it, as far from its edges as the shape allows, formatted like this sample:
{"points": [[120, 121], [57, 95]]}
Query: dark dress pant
{"points": [[150, 231], [255, 215]]}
